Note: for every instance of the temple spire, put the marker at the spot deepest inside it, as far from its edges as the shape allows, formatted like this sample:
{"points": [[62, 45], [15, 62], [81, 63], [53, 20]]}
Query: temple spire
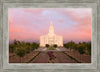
{"points": [[51, 21], [51, 29]]}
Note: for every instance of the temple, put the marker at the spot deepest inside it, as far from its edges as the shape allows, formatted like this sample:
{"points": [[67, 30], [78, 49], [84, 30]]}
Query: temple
{"points": [[51, 38]]}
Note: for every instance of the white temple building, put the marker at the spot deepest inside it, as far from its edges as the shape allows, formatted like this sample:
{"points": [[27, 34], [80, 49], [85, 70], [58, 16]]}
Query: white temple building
{"points": [[51, 38]]}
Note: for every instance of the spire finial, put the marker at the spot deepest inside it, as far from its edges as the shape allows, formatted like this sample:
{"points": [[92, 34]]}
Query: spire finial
{"points": [[51, 20]]}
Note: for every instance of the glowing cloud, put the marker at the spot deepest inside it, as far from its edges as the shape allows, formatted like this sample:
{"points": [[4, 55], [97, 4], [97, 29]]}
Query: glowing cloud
{"points": [[30, 24]]}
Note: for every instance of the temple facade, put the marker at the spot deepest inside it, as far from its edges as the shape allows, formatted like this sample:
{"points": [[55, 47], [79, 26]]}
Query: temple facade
{"points": [[51, 38]]}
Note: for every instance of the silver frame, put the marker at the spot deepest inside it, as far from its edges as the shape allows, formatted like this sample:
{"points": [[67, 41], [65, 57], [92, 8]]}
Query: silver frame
{"points": [[5, 66]]}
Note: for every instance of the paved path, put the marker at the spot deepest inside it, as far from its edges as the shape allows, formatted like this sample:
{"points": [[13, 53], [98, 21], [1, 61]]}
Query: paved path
{"points": [[80, 57], [41, 58], [62, 58]]}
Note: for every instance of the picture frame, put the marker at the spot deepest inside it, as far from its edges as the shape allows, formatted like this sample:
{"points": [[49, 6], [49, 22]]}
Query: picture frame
{"points": [[47, 67]]}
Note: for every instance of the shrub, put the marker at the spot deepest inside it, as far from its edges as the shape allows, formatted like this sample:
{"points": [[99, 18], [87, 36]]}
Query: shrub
{"points": [[55, 45], [51, 56], [47, 45], [51, 48]]}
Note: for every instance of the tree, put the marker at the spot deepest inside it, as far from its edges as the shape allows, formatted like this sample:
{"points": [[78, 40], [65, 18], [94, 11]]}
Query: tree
{"points": [[11, 48], [28, 49], [47, 45], [55, 45], [71, 45], [75, 47], [16, 43], [81, 49], [27, 43], [20, 51], [23, 44], [66, 45], [34, 45], [89, 48]]}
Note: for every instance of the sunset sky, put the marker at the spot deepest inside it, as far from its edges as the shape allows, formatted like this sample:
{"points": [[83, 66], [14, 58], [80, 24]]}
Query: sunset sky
{"points": [[29, 24]]}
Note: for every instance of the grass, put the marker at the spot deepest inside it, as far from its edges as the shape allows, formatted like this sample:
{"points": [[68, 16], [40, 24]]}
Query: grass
{"points": [[33, 57], [71, 57], [51, 48]]}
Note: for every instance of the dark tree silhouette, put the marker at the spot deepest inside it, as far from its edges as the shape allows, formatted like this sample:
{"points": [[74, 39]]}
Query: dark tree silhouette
{"points": [[11, 48], [89, 48], [47, 45], [20, 52], [81, 49], [55, 45], [34, 45]]}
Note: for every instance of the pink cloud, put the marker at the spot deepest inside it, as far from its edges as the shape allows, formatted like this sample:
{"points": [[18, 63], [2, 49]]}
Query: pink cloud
{"points": [[61, 20], [30, 24]]}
